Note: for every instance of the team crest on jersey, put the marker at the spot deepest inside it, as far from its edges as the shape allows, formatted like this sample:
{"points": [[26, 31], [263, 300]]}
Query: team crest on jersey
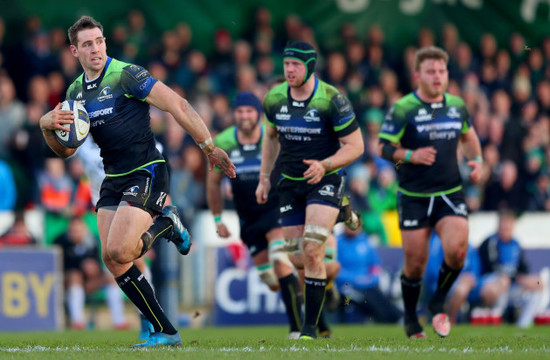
{"points": [[312, 115], [105, 94], [453, 113], [327, 190]]}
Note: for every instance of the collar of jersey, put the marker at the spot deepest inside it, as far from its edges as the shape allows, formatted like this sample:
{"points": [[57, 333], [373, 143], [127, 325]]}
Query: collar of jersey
{"points": [[429, 103], [85, 80], [306, 102]]}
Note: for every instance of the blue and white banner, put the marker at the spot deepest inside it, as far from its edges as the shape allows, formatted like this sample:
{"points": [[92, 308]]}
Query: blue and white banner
{"points": [[242, 298], [30, 289]]}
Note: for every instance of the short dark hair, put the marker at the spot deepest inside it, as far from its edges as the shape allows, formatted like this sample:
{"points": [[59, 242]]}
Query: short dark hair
{"points": [[507, 213], [85, 22], [429, 52]]}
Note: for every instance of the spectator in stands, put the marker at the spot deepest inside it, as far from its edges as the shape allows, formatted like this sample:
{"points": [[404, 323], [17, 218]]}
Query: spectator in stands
{"points": [[138, 43], [540, 197], [505, 189], [359, 277], [56, 191], [84, 275], [12, 113], [505, 277], [222, 64], [382, 197], [18, 234]]}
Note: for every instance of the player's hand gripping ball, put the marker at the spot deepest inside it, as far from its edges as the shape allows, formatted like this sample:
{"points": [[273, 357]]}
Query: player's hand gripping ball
{"points": [[77, 132]]}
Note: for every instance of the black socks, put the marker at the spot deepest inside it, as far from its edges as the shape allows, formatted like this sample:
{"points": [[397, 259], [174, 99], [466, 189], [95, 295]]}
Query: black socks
{"points": [[411, 291], [447, 277], [293, 299], [314, 300], [161, 227], [140, 292]]}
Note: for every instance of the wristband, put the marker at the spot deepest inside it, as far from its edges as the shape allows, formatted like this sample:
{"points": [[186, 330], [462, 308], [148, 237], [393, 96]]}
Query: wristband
{"points": [[217, 219], [408, 156], [478, 158], [207, 146], [265, 174], [387, 151]]}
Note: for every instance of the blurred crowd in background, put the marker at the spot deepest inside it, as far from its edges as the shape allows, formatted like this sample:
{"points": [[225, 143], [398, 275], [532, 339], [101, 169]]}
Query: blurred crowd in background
{"points": [[506, 87]]}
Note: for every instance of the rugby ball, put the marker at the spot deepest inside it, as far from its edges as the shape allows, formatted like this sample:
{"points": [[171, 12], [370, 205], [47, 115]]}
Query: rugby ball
{"points": [[77, 132]]}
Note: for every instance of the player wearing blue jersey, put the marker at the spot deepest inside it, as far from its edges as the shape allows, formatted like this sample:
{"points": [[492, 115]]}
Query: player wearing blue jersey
{"points": [[421, 132], [313, 127], [117, 96], [505, 276]]}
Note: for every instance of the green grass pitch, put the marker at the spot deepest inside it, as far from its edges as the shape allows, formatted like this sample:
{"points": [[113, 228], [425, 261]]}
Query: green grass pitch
{"points": [[269, 342]]}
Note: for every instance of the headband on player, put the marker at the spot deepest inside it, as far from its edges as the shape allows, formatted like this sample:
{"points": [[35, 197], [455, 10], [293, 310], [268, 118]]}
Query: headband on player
{"points": [[303, 52]]}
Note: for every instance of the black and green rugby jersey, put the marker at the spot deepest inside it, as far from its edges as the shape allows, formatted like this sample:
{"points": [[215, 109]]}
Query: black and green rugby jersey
{"points": [[247, 158], [409, 122], [119, 115], [308, 129]]}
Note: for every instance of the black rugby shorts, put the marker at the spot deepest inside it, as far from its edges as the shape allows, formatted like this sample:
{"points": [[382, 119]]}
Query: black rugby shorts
{"points": [[145, 188]]}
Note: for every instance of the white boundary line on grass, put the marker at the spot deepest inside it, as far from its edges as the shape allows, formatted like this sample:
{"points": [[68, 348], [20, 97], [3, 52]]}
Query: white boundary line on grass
{"points": [[293, 349]]}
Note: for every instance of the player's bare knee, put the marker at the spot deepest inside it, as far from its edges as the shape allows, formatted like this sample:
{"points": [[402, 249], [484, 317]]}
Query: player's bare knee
{"points": [[296, 260], [119, 256], [414, 271]]}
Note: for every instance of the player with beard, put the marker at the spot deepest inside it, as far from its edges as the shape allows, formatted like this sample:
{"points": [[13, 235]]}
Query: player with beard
{"points": [[313, 127], [421, 133], [260, 229]]}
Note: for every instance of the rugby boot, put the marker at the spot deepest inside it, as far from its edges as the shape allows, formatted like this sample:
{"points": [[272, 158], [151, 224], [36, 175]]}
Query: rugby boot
{"points": [[414, 330], [441, 324], [294, 335], [146, 330], [161, 339], [179, 235], [350, 217], [440, 321]]}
